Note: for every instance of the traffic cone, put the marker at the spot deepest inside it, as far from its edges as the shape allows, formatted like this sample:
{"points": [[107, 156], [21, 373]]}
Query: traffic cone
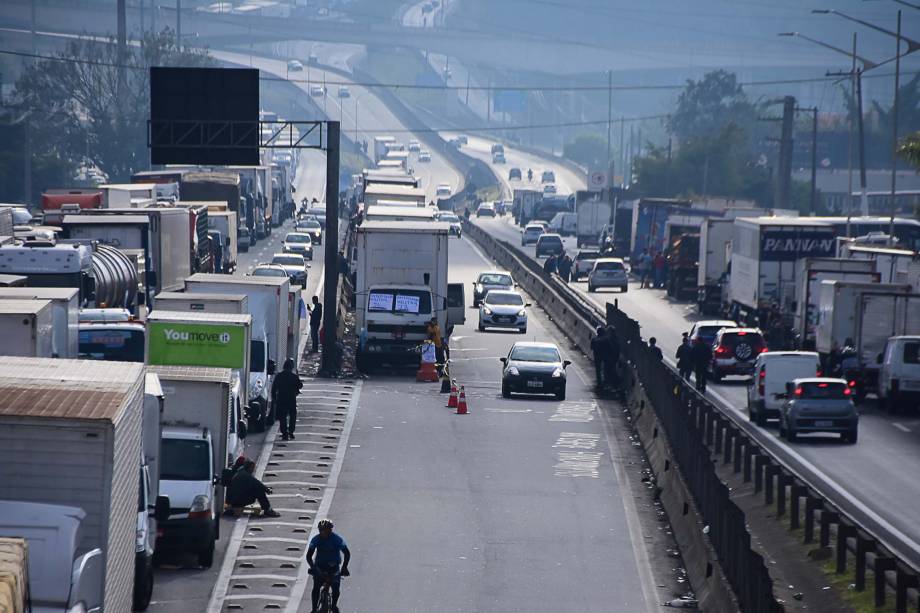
{"points": [[427, 373], [452, 401], [461, 402]]}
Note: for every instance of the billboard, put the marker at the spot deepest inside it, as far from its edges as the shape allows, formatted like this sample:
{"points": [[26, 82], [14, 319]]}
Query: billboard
{"points": [[181, 344], [788, 245]]}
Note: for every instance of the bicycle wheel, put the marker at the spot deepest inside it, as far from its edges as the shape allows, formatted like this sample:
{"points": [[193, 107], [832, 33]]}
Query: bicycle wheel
{"points": [[325, 601]]}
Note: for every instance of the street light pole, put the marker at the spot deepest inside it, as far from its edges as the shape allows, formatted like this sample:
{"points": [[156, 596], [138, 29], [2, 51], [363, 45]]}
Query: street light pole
{"points": [[894, 131]]}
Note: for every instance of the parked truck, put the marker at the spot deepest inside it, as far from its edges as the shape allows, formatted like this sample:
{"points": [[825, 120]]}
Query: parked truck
{"points": [[53, 411], [6, 222], [401, 285], [56, 203], [715, 234], [65, 310], [225, 223], [381, 146], [682, 258], [198, 415], [204, 302], [592, 215], [26, 327], [219, 187]]}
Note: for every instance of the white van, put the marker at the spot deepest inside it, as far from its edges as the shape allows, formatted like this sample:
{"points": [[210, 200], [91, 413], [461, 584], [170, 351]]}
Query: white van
{"points": [[899, 373], [772, 370], [564, 224]]}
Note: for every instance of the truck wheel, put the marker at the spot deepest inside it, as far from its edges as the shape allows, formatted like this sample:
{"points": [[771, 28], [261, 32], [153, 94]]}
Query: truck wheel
{"points": [[143, 586], [206, 556]]}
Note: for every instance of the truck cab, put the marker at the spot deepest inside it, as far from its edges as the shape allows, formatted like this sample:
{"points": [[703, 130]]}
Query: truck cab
{"points": [[395, 321]]}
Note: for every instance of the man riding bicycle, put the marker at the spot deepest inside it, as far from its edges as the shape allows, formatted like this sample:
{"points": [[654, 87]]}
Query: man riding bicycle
{"points": [[329, 548]]}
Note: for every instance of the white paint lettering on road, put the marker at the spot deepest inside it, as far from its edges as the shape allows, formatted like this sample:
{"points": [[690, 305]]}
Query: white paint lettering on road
{"points": [[575, 411], [577, 440], [578, 464]]}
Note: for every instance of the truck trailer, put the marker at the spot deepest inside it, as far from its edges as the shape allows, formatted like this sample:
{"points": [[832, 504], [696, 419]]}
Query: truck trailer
{"points": [[27, 328], [811, 273]]}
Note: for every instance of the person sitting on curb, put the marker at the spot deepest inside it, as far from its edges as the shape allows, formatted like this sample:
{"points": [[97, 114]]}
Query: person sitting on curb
{"points": [[245, 489]]}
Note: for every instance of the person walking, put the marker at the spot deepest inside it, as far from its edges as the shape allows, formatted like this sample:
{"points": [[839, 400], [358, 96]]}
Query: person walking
{"points": [[645, 262], [655, 349], [565, 267], [702, 357], [611, 375], [245, 489], [550, 266], [316, 320], [599, 351], [285, 388], [684, 357]]}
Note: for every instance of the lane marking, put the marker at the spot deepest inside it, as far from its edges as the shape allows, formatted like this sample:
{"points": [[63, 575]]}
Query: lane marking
{"points": [[901, 427]]}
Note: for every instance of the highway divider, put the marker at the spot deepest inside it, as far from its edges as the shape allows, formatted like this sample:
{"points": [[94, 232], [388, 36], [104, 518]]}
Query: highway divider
{"points": [[687, 431]]}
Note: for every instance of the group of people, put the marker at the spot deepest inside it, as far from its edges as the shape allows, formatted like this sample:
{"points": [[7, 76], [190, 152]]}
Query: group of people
{"points": [[559, 264], [694, 357], [651, 268]]}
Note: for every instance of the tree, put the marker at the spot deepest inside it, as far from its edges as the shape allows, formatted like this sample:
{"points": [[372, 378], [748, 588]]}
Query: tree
{"points": [[75, 113], [910, 149], [589, 150], [706, 107]]}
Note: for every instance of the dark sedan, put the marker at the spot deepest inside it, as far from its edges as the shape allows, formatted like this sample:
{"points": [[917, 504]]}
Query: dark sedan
{"points": [[534, 368]]}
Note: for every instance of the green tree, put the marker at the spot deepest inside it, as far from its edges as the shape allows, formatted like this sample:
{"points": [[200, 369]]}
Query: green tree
{"points": [[589, 150], [705, 107]]}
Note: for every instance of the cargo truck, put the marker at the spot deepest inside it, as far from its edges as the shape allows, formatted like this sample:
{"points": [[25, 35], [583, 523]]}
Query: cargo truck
{"points": [[198, 414], [65, 309], [268, 305], [225, 222], [381, 146], [401, 284], [204, 302], [592, 215], [59, 202], [6, 222], [715, 234], [219, 187], [27, 328], [70, 433], [682, 258], [150, 508]]}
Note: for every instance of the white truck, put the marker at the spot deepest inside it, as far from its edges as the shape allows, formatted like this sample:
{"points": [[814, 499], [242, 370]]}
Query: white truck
{"points": [[70, 432], [268, 305], [763, 264], [811, 273], [381, 146], [198, 414], [394, 195], [401, 285], [128, 195], [893, 265], [65, 310], [715, 234], [27, 328], [204, 302], [592, 215]]}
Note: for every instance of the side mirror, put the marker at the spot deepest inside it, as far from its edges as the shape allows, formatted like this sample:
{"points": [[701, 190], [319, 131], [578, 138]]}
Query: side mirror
{"points": [[270, 367], [565, 363], [503, 360], [161, 508]]}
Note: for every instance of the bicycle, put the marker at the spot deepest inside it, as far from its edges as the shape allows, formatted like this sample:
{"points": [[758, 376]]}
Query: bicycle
{"points": [[324, 605]]}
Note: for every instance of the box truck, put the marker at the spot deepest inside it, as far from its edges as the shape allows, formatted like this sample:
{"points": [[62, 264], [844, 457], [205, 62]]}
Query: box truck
{"points": [[27, 328], [65, 310], [70, 433], [715, 233], [225, 223], [204, 302], [811, 273], [219, 187], [592, 215]]}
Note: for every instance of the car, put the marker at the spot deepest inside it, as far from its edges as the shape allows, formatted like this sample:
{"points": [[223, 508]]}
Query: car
{"points": [[443, 190], [311, 227], [486, 209], [294, 66], [705, 330], [584, 263], [414, 146], [549, 188], [424, 156], [818, 404], [318, 211], [242, 238], [503, 309], [498, 158], [489, 280], [456, 228], [899, 373], [772, 370], [498, 148], [514, 174], [608, 272], [317, 90], [531, 233], [344, 92], [298, 242], [268, 270], [548, 176], [549, 244], [294, 265], [734, 351], [534, 368], [542, 223]]}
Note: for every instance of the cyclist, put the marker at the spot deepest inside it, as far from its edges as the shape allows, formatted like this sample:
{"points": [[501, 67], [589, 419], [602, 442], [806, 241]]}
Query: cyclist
{"points": [[329, 548]]}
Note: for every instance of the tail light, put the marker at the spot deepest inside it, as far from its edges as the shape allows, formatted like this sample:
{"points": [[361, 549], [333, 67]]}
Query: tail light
{"points": [[851, 383], [721, 350], [798, 391], [764, 348], [847, 391], [761, 377], [818, 372]]}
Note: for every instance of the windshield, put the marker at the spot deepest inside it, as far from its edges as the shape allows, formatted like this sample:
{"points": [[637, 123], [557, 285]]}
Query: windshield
{"points": [[534, 229], [256, 356], [535, 354], [268, 272], [297, 238], [310, 225], [399, 301], [492, 279], [185, 460], [612, 266], [450, 218], [287, 260], [823, 391], [112, 345], [587, 255], [555, 240], [501, 298]]}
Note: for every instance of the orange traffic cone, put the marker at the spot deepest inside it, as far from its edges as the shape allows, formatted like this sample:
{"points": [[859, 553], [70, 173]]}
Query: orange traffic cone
{"points": [[461, 402], [427, 372], [452, 400]]}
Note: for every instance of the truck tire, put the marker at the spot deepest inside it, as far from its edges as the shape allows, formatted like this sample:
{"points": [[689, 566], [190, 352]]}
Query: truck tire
{"points": [[206, 556]]}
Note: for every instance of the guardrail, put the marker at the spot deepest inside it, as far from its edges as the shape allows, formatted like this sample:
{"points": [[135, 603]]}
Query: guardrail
{"points": [[699, 431]]}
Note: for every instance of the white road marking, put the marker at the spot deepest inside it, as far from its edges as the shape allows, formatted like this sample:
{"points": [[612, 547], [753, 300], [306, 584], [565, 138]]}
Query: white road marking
{"points": [[578, 464], [575, 411], [901, 427]]}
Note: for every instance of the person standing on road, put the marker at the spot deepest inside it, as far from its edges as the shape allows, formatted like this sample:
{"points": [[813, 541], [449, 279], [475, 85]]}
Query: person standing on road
{"points": [[565, 267], [655, 349], [645, 262], [684, 357], [316, 320], [611, 362], [659, 264], [702, 357], [599, 350], [550, 266], [245, 489], [331, 553], [285, 388]]}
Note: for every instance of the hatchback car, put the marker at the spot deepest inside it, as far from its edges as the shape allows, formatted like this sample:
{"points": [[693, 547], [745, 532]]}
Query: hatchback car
{"points": [[298, 242], [531, 233], [317, 90], [549, 244], [534, 368], [498, 158], [294, 66], [242, 239], [503, 309], [294, 265], [456, 228], [548, 176], [486, 209], [707, 329], [444, 190], [584, 263], [311, 227], [818, 404], [487, 281], [268, 270], [772, 370], [734, 351], [514, 174], [608, 272], [424, 156]]}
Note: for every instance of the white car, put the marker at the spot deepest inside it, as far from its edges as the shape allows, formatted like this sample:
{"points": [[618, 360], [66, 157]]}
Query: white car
{"points": [[298, 242], [344, 92], [444, 190], [608, 272], [485, 209], [531, 234], [503, 309], [294, 66], [451, 218], [294, 265], [772, 371], [317, 90], [549, 189], [424, 156]]}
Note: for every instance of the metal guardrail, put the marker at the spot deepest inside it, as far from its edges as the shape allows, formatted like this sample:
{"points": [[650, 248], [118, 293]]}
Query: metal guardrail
{"points": [[698, 431]]}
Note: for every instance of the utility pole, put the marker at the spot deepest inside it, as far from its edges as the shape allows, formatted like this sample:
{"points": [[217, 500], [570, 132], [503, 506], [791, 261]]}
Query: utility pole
{"points": [[27, 129], [609, 116], [179, 26], [894, 132], [784, 177], [667, 173], [814, 162], [331, 256], [122, 50], [622, 150]]}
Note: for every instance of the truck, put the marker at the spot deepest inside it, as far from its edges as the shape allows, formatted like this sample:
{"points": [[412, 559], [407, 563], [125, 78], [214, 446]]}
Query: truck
{"points": [[524, 204], [147, 512], [204, 302], [893, 265], [592, 215], [56, 203], [811, 273], [26, 327], [401, 285], [296, 307], [381, 147], [219, 187], [763, 263], [199, 239], [128, 195], [715, 234], [256, 185], [65, 311], [650, 216], [682, 258], [54, 412], [395, 195], [225, 223], [6, 222], [268, 305], [199, 413]]}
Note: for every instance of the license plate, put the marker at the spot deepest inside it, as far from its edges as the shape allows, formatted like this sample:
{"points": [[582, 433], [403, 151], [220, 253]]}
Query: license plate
{"points": [[534, 384], [824, 423]]}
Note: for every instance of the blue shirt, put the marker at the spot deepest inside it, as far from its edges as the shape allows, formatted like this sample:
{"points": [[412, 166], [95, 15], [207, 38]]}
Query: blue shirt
{"points": [[328, 550]]}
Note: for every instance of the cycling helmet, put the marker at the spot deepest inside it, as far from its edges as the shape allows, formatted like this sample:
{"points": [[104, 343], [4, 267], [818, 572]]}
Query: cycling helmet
{"points": [[324, 523]]}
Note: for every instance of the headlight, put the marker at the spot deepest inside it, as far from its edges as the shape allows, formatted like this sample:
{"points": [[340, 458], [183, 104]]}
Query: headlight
{"points": [[522, 313], [512, 370], [487, 310], [558, 373], [201, 507]]}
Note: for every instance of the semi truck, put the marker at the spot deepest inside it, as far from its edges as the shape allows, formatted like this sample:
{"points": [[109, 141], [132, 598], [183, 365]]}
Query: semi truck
{"points": [[27, 328], [394, 195], [401, 285], [70, 433], [65, 311], [56, 203], [715, 235], [811, 273], [682, 258], [381, 147]]}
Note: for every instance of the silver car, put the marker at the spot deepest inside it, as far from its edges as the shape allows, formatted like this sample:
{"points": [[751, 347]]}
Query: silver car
{"points": [[818, 404], [608, 272], [503, 309]]}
